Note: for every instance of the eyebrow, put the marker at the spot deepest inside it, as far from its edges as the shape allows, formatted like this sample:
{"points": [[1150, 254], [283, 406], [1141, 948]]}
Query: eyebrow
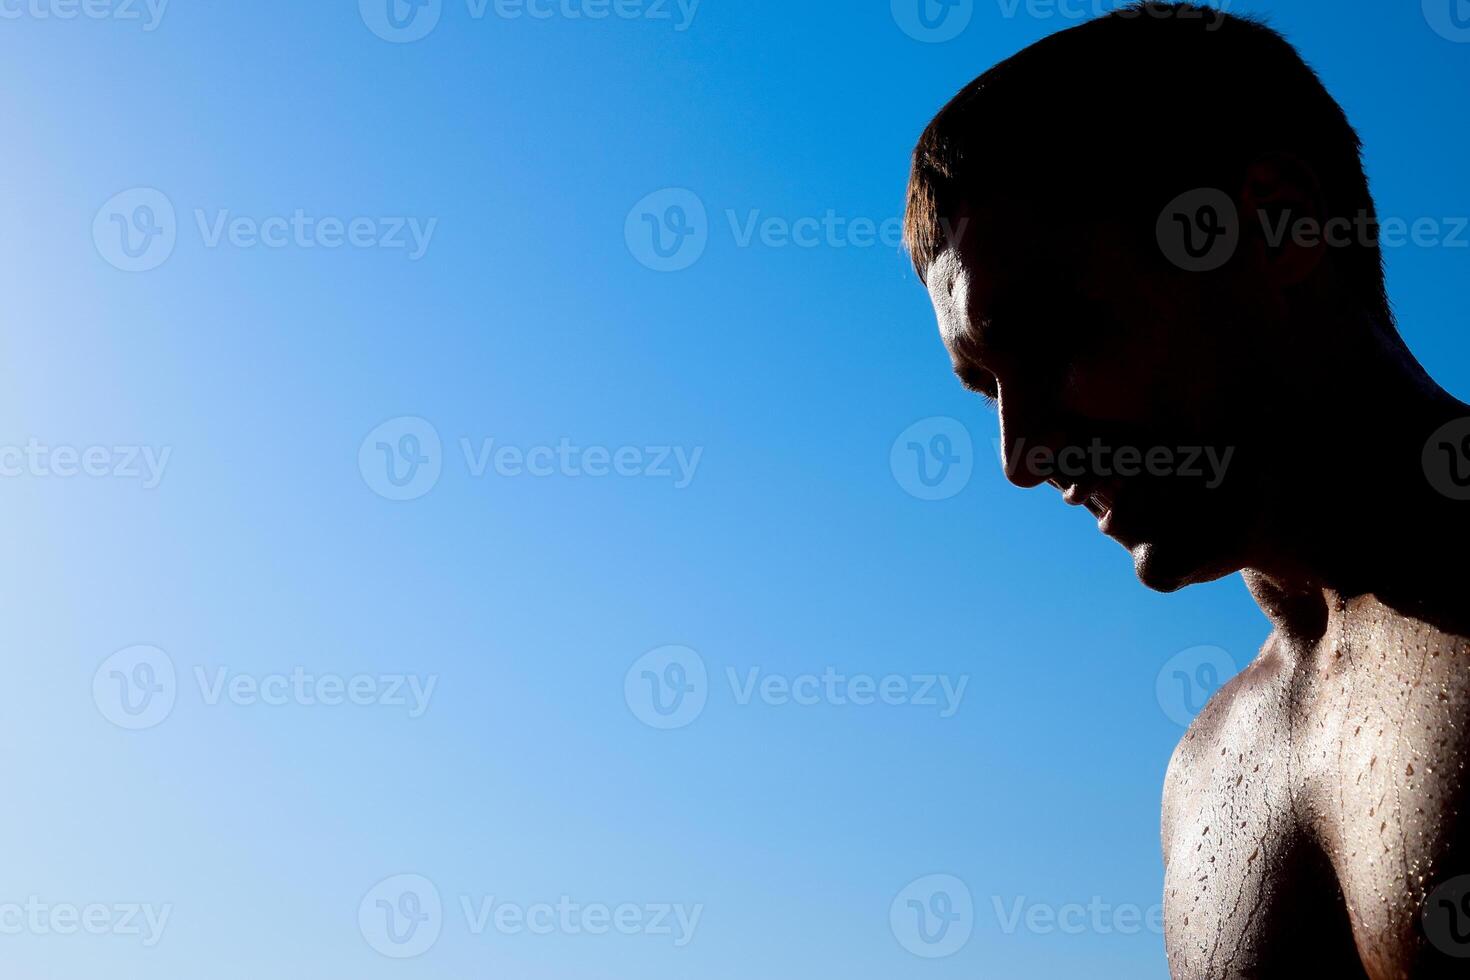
{"points": [[976, 342]]}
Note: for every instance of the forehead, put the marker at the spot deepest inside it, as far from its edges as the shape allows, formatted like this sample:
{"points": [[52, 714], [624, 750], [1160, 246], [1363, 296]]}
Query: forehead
{"points": [[950, 283], [993, 258], [1004, 259]]}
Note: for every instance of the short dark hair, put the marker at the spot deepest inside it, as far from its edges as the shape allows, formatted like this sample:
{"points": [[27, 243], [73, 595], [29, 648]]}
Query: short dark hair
{"points": [[1118, 116]]}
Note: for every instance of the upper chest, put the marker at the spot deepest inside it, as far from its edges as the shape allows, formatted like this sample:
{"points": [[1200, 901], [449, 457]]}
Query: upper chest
{"points": [[1317, 799]]}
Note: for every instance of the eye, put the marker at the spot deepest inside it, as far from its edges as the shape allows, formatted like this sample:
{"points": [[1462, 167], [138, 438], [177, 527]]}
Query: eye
{"points": [[978, 380]]}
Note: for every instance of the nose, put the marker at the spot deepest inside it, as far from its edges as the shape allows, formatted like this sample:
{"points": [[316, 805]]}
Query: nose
{"points": [[1030, 440]]}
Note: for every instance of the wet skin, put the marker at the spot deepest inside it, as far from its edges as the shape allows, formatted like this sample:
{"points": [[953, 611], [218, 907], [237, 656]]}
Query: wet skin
{"points": [[1321, 796], [1318, 799]]}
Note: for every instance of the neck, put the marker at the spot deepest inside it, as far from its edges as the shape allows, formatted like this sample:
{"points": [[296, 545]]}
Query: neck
{"points": [[1357, 512]]}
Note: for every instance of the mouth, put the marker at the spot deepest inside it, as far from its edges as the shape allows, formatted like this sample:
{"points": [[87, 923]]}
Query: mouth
{"points": [[1097, 499]]}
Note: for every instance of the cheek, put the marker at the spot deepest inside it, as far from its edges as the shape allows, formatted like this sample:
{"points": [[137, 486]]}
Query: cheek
{"points": [[1156, 367], [1113, 385], [1124, 378]]}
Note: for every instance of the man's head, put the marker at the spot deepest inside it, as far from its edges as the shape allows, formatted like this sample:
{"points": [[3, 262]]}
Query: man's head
{"points": [[1115, 229]]}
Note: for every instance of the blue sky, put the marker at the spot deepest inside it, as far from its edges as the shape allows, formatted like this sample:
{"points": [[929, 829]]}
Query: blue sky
{"points": [[428, 253]]}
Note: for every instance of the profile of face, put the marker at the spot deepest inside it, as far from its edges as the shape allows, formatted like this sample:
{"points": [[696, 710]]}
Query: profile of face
{"points": [[1127, 384]]}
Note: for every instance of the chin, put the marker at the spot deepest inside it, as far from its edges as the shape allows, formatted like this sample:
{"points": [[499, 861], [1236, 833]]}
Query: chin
{"points": [[1163, 568]]}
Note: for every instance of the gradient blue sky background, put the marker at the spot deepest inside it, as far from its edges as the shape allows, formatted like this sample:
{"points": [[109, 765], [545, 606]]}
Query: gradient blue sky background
{"points": [[529, 319]]}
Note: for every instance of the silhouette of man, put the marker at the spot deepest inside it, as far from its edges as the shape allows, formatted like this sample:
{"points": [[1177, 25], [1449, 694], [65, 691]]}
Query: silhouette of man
{"points": [[1149, 240]]}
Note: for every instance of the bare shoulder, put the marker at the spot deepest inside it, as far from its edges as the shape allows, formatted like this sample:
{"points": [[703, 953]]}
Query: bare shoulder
{"points": [[1386, 784], [1247, 891], [1320, 801], [1244, 714]]}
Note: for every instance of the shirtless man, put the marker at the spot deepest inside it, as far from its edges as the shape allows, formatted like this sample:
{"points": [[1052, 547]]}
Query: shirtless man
{"points": [[1099, 221]]}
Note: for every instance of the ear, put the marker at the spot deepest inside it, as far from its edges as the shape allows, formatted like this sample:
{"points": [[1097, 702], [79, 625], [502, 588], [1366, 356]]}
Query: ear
{"points": [[1282, 215]]}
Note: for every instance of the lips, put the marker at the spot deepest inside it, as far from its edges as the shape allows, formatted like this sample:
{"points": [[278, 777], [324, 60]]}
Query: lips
{"points": [[1124, 529], [1097, 498]]}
